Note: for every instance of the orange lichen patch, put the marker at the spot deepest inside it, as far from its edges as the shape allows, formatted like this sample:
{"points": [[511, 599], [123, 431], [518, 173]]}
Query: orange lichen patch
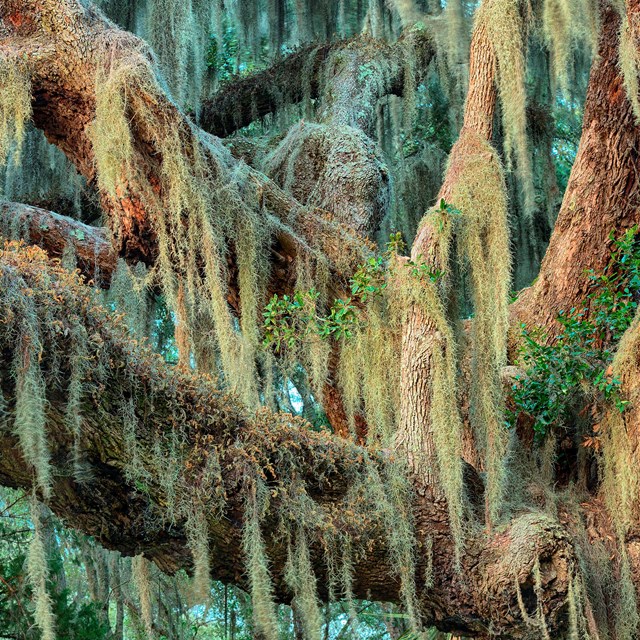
{"points": [[16, 19]]}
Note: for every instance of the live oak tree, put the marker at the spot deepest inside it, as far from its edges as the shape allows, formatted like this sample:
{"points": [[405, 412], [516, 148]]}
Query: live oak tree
{"points": [[481, 473]]}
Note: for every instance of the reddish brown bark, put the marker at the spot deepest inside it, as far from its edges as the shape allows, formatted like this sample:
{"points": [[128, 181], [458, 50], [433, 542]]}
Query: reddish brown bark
{"points": [[70, 41], [602, 195], [478, 597]]}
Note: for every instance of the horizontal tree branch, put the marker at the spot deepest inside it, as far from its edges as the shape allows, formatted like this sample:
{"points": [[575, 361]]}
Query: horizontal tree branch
{"points": [[242, 101], [162, 403], [56, 234], [368, 69]]}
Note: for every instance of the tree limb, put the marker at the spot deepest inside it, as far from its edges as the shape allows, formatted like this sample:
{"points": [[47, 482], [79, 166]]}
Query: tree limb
{"points": [[132, 519], [56, 234]]}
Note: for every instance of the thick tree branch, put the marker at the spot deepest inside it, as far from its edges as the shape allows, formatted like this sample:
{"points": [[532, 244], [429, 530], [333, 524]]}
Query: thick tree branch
{"points": [[602, 195], [54, 37], [66, 46], [132, 516], [364, 69], [243, 101], [90, 246]]}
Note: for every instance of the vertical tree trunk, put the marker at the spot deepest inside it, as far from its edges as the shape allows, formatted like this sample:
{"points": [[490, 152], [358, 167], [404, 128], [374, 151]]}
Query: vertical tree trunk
{"points": [[420, 336], [602, 195]]}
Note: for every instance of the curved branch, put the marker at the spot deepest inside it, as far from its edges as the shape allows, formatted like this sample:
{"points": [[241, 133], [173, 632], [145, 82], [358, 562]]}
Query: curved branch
{"points": [[371, 69]]}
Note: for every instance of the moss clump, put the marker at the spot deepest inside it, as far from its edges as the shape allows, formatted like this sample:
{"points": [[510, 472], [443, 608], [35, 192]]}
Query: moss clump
{"points": [[110, 132], [302, 581], [406, 10], [195, 215], [38, 572], [428, 288], [198, 541], [261, 588], [389, 495], [129, 294], [626, 615], [368, 372], [142, 580], [621, 483], [567, 27], [173, 457], [507, 32], [15, 106], [483, 247], [74, 409], [30, 419], [628, 59]]}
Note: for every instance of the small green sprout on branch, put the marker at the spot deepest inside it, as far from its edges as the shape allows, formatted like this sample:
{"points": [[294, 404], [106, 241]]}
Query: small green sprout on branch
{"points": [[290, 318]]}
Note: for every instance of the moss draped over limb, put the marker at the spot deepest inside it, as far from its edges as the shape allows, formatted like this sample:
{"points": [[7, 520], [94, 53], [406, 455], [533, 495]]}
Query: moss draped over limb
{"points": [[171, 193], [472, 236], [179, 414], [53, 38], [309, 73]]}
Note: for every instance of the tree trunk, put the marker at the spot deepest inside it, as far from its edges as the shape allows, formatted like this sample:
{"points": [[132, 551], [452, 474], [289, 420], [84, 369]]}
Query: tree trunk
{"points": [[504, 577], [602, 196]]}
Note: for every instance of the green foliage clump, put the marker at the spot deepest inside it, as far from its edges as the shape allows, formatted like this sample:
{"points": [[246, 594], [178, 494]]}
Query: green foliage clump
{"points": [[362, 327], [288, 319], [564, 371]]}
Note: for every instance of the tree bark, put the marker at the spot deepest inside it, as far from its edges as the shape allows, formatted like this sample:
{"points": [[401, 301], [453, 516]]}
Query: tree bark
{"points": [[478, 599], [314, 73], [56, 234], [420, 335], [602, 195], [66, 43]]}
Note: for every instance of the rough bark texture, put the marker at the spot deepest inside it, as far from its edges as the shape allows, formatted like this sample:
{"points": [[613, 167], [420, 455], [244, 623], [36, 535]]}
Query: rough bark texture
{"points": [[90, 246], [420, 334], [241, 102], [66, 41], [306, 75], [602, 195]]}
